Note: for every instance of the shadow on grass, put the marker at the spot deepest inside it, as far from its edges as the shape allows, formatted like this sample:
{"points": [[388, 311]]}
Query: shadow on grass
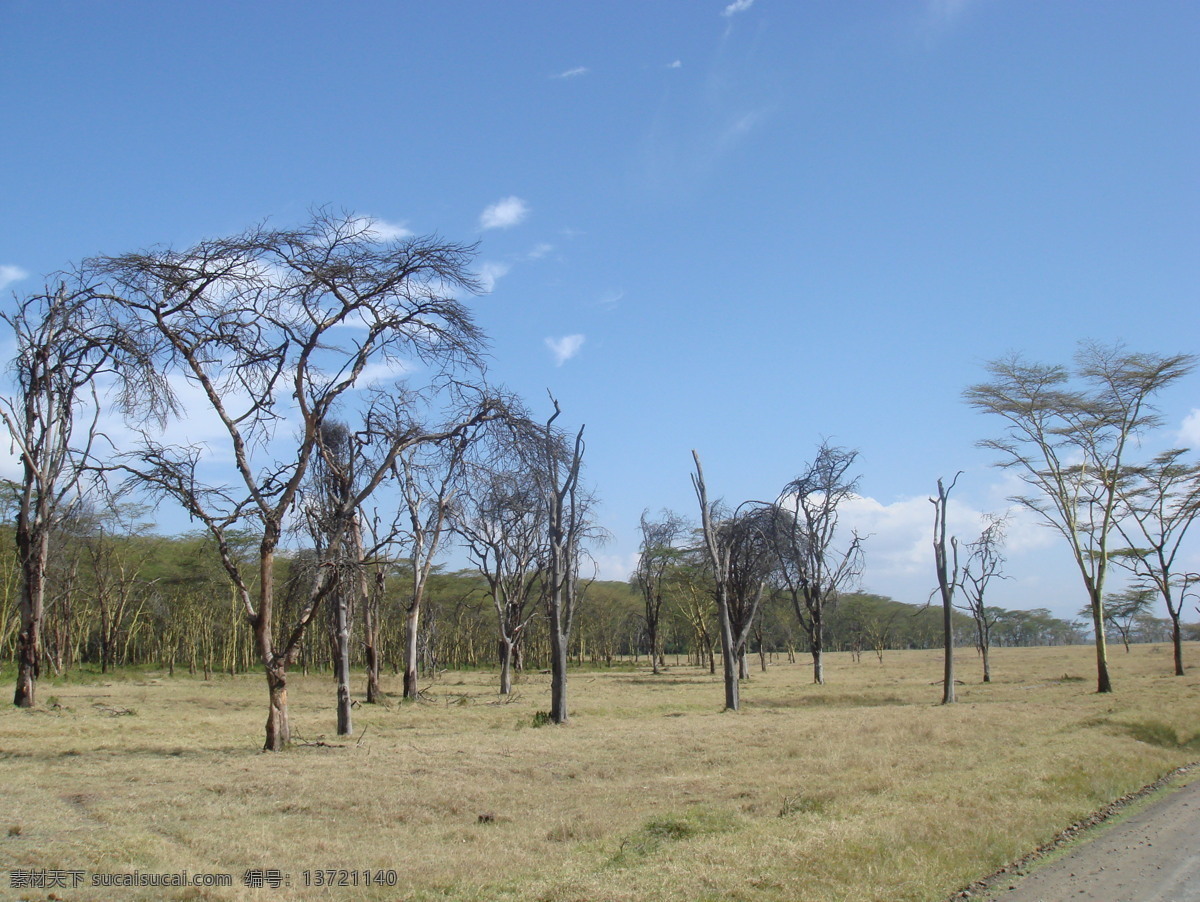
{"points": [[1165, 736], [832, 700]]}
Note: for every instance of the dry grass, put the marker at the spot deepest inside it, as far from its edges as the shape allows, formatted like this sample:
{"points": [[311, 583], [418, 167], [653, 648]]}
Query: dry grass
{"points": [[861, 789]]}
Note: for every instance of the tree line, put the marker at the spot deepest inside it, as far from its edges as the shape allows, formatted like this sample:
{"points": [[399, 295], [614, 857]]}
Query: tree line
{"points": [[317, 401]]}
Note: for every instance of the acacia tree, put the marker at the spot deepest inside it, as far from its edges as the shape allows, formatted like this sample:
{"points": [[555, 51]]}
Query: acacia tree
{"points": [[1066, 435], [1125, 609], [1160, 500], [51, 421], [276, 329], [811, 568], [658, 553], [985, 561]]}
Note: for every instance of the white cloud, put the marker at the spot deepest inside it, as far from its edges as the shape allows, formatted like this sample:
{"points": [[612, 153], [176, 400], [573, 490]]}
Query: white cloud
{"points": [[564, 348], [540, 250], [737, 6], [1189, 432], [676, 64], [390, 231], [573, 73], [617, 567], [490, 273], [10, 274], [504, 214]]}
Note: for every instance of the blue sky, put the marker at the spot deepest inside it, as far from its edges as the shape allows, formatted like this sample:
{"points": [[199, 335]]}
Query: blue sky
{"points": [[735, 227]]}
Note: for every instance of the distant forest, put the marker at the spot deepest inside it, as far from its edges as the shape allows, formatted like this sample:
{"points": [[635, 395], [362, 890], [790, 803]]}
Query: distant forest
{"points": [[118, 596]]}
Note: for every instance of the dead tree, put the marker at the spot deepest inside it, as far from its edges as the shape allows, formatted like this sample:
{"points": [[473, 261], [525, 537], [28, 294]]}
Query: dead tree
{"points": [[568, 523], [61, 349], [946, 565], [736, 546], [500, 517], [429, 476], [278, 329], [812, 569], [985, 561], [659, 551]]}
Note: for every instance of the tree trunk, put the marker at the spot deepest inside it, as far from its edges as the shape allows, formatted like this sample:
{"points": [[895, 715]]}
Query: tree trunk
{"points": [[412, 624], [506, 656], [815, 639], [558, 676], [728, 659], [279, 732], [341, 661], [371, 637], [948, 697], [34, 553], [987, 664], [1103, 681], [1177, 642]]}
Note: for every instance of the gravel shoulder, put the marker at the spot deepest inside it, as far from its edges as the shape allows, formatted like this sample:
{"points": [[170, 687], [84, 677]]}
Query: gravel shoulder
{"points": [[1141, 848]]}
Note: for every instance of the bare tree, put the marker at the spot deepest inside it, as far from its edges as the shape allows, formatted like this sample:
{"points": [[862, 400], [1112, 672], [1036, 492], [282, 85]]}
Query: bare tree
{"points": [[568, 508], [1066, 436], [333, 478], [51, 421], [659, 550], [985, 561], [737, 549], [1160, 500], [277, 329], [812, 569], [501, 517], [946, 565], [429, 477]]}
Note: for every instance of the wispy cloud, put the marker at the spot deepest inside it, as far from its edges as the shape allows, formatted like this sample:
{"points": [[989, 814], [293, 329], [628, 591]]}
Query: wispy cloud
{"points": [[1189, 432], [564, 348], [10, 274], [945, 10], [610, 299], [737, 6], [504, 214], [676, 64], [539, 251], [573, 73], [490, 273], [390, 231]]}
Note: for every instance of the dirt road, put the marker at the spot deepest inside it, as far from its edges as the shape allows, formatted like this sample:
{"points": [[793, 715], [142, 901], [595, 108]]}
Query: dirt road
{"points": [[1151, 856]]}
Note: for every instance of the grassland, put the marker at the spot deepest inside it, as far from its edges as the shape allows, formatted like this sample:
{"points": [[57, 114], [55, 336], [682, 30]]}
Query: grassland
{"points": [[862, 789]]}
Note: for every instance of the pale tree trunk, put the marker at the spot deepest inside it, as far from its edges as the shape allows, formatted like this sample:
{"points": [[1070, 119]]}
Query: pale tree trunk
{"points": [[728, 658], [341, 663], [816, 640], [558, 677], [412, 625], [1103, 681]]}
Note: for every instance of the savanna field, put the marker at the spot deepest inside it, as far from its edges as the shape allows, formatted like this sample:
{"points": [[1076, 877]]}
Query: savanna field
{"points": [[862, 789]]}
